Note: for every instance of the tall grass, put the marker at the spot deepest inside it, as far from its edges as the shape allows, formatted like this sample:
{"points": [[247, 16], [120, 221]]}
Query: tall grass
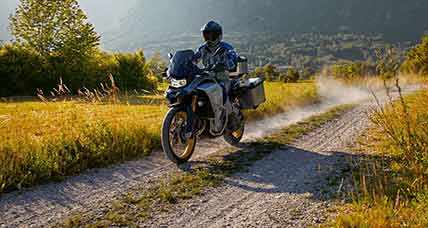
{"points": [[45, 141], [391, 185], [280, 97]]}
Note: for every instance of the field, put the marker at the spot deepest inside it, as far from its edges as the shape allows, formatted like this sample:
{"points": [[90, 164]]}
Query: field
{"points": [[389, 186], [48, 141]]}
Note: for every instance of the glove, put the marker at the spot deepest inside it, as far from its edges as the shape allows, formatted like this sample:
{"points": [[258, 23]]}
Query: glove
{"points": [[220, 67]]}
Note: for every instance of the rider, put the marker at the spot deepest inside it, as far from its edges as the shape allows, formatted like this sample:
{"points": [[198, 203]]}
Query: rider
{"points": [[217, 57]]}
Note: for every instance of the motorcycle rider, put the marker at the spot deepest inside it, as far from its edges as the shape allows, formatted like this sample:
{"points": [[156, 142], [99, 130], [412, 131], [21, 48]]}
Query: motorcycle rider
{"points": [[217, 57]]}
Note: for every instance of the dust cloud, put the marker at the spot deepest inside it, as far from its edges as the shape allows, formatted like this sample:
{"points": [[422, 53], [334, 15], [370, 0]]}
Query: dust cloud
{"points": [[332, 93]]}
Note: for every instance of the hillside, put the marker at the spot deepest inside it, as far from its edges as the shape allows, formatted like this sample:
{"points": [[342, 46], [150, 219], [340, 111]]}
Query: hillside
{"points": [[398, 20], [131, 24]]}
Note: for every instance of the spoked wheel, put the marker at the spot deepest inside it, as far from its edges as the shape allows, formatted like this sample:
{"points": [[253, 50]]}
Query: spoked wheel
{"points": [[234, 137], [174, 143]]}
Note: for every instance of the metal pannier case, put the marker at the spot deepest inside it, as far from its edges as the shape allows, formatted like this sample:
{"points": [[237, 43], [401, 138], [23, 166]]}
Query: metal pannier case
{"points": [[254, 94]]}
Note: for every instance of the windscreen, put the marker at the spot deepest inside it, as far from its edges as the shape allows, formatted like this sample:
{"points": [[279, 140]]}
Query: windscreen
{"points": [[181, 65]]}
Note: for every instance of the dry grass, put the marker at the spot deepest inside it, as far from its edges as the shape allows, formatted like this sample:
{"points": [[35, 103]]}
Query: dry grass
{"points": [[45, 141], [391, 185], [281, 97]]}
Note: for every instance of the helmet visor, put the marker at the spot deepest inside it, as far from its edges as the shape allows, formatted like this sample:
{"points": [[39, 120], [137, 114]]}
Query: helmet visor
{"points": [[210, 36]]}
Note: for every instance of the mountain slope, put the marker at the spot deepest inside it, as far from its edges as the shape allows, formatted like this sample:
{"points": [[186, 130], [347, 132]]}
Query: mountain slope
{"points": [[397, 19]]}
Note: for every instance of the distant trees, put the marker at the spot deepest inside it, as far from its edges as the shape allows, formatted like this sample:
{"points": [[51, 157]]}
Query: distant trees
{"points": [[271, 73]]}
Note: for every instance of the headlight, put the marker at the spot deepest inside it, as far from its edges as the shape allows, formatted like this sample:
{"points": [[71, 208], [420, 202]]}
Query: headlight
{"points": [[178, 83]]}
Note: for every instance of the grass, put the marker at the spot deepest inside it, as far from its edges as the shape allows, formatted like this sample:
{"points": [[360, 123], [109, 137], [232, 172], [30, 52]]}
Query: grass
{"points": [[48, 141], [390, 185], [134, 208]]}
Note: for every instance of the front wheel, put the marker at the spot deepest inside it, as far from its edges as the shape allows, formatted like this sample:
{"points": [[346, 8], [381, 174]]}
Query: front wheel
{"points": [[176, 146]]}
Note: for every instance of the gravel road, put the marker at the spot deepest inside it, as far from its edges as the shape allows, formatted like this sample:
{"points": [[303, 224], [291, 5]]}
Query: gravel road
{"points": [[286, 189], [282, 189]]}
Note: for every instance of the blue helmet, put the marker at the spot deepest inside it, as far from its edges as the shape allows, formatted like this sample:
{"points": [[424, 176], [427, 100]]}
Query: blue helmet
{"points": [[212, 33]]}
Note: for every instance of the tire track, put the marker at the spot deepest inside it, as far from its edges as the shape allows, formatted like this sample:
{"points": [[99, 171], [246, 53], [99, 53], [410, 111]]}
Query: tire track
{"points": [[282, 190]]}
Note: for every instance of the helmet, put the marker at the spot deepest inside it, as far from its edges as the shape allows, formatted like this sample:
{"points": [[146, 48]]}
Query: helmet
{"points": [[212, 33]]}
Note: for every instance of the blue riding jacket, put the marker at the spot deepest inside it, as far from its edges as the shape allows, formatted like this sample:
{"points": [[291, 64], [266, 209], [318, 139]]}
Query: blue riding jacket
{"points": [[224, 54]]}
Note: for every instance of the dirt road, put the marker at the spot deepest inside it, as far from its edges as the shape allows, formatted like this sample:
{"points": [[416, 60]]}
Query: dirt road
{"points": [[286, 189], [283, 189]]}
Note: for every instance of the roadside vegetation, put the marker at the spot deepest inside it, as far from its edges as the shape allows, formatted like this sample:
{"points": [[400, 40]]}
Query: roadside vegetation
{"points": [[389, 184], [45, 141]]}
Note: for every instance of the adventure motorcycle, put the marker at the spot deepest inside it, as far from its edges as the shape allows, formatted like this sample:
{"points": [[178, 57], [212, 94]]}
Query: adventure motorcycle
{"points": [[199, 106]]}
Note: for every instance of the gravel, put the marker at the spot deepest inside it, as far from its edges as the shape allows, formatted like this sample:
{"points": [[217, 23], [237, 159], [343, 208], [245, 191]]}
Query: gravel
{"points": [[288, 188]]}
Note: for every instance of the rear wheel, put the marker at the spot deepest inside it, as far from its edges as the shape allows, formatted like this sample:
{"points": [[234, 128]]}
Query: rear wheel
{"points": [[176, 146], [234, 136]]}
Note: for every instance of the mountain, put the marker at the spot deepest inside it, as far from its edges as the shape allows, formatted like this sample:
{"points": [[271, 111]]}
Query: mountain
{"points": [[396, 19], [129, 24]]}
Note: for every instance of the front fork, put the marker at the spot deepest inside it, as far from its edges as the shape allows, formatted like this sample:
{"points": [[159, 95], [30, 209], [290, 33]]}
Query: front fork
{"points": [[192, 119]]}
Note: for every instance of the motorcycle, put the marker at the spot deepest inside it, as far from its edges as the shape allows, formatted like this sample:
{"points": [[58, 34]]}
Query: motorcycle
{"points": [[200, 107]]}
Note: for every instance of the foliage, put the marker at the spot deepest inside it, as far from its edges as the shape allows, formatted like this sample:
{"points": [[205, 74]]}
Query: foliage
{"points": [[292, 75], [391, 186], [351, 70], [51, 140], [23, 71], [388, 62], [54, 28], [417, 59], [133, 72], [55, 42]]}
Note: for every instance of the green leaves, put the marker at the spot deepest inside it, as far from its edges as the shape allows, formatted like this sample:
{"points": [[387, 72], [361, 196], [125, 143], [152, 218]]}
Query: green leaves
{"points": [[54, 28]]}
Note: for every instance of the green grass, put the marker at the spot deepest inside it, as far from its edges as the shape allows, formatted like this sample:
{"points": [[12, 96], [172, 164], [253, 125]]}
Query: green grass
{"points": [[42, 142], [138, 206], [390, 185]]}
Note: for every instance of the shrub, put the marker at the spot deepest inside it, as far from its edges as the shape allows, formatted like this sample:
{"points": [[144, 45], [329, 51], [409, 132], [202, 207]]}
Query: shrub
{"points": [[417, 59], [350, 70], [291, 76], [23, 71]]}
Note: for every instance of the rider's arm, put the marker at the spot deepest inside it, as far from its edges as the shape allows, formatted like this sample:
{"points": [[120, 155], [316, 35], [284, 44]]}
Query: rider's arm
{"points": [[231, 56], [198, 55]]}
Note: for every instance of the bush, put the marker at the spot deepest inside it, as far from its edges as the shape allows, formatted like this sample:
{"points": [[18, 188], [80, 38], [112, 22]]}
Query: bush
{"points": [[417, 59], [350, 70], [132, 73], [291, 76], [23, 71]]}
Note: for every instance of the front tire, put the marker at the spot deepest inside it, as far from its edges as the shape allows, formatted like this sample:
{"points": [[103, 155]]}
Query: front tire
{"points": [[177, 148]]}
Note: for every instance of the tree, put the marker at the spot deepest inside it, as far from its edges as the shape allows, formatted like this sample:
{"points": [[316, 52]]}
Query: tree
{"points": [[56, 27]]}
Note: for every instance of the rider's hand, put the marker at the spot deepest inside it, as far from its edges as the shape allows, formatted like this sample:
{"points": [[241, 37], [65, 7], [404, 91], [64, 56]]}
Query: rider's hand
{"points": [[220, 67]]}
